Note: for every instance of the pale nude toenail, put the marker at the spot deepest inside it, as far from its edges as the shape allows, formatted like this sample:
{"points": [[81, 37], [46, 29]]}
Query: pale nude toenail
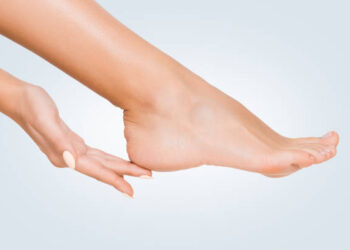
{"points": [[329, 134]]}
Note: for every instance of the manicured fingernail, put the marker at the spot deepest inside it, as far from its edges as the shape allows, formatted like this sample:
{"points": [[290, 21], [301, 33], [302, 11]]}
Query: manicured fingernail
{"points": [[145, 177], [69, 159], [327, 135], [129, 196]]}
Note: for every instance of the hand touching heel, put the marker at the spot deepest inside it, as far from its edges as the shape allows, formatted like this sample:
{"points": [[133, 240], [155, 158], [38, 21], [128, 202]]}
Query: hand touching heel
{"points": [[38, 115]]}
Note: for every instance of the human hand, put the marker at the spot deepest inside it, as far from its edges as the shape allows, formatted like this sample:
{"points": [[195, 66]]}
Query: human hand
{"points": [[39, 117]]}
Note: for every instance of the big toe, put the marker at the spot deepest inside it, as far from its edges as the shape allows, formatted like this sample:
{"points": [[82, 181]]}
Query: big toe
{"points": [[331, 138]]}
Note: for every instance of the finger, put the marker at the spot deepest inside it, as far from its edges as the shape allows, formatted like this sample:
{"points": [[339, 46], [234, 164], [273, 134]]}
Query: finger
{"points": [[119, 165], [127, 168], [96, 170], [100, 153]]}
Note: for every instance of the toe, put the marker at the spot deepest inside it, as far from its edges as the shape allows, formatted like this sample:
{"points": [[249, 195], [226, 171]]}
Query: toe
{"points": [[285, 162], [301, 153], [315, 151], [331, 138], [321, 152], [331, 151]]}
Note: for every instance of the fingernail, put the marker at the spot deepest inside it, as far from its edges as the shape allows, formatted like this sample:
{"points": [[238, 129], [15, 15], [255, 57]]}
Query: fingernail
{"points": [[128, 196], [329, 134], [69, 159], [145, 177]]}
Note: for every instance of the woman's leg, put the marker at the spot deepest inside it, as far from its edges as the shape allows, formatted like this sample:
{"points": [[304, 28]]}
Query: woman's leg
{"points": [[173, 118]]}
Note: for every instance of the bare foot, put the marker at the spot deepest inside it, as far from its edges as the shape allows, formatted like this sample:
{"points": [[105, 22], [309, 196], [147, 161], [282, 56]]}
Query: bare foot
{"points": [[173, 119], [185, 126]]}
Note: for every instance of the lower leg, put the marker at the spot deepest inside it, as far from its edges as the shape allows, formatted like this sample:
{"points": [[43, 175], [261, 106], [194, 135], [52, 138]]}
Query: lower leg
{"points": [[173, 118]]}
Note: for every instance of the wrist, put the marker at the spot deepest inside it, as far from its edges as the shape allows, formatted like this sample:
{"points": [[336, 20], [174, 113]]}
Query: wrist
{"points": [[11, 92]]}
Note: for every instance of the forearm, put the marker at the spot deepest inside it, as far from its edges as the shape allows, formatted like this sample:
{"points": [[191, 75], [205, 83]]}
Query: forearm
{"points": [[86, 42], [34, 110], [10, 94]]}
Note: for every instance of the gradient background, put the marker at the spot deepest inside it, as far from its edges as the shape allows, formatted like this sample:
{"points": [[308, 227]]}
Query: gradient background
{"points": [[287, 61]]}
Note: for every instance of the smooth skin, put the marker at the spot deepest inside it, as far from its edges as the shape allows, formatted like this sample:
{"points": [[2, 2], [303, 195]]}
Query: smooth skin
{"points": [[33, 109], [173, 118]]}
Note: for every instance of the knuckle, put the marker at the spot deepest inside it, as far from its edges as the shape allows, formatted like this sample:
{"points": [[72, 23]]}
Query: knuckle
{"points": [[116, 181], [98, 176]]}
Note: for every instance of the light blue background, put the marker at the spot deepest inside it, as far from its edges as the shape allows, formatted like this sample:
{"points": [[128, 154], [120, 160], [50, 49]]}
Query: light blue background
{"points": [[287, 61]]}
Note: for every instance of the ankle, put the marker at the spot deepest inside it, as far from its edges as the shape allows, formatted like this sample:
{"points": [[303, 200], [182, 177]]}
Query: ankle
{"points": [[166, 98]]}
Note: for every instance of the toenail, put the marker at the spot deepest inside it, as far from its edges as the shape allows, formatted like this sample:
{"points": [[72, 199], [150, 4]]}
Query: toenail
{"points": [[329, 134]]}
